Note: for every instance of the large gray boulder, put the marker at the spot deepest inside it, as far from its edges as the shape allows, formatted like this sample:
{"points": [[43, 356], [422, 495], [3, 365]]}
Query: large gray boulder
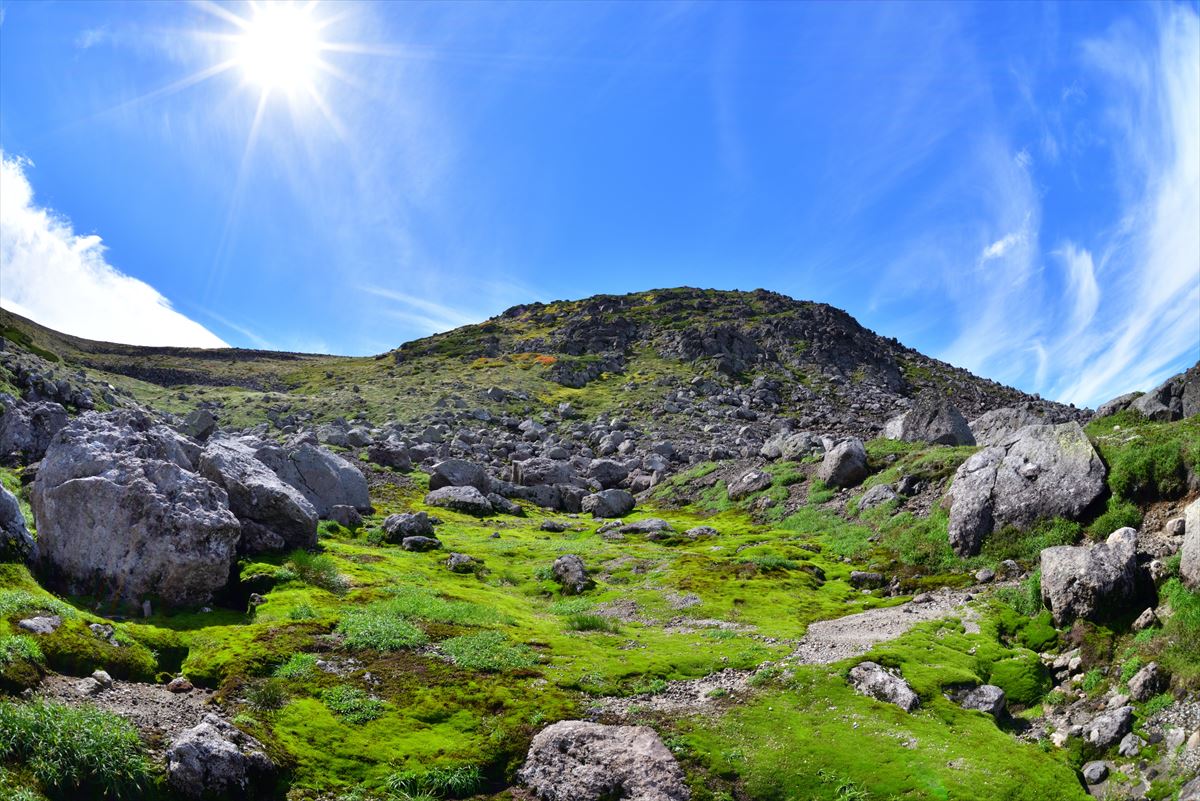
{"points": [[26, 429], [568, 570], [215, 759], [1176, 398], [608, 503], [200, 424], [931, 419], [873, 680], [992, 428], [1189, 564], [791, 445], [1106, 729], [845, 464], [467, 500], [322, 477], [1148, 682], [1040, 472], [1117, 404], [15, 541], [274, 515], [574, 760], [607, 472], [408, 524], [541, 472], [459, 473], [390, 453], [121, 514], [1090, 582], [748, 483], [986, 698]]}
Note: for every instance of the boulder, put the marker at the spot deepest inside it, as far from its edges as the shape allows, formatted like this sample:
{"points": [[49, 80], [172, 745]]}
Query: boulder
{"points": [[1040, 472], [1148, 682], [877, 495], [274, 515], [1117, 404], [1190, 791], [1106, 729], [199, 425], [217, 760], [322, 477], [419, 544], [865, 579], [43, 624], [574, 760], [540, 472], [988, 698], [749, 483], [931, 419], [1095, 772], [1131, 745], [390, 453], [121, 514], [1174, 399], [467, 500], [569, 571], [1189, 560], [607, 473], [992, 428], [461, 563], [845, 464], [408, 524], [16, 543], [608, 503], [26, 429], [346, 516], [459, 473], [873, 680], [1090, 582], [792, 446]]}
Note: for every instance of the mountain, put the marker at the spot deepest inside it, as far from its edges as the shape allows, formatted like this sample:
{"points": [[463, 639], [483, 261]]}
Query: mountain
{"points": [[683, 544]]}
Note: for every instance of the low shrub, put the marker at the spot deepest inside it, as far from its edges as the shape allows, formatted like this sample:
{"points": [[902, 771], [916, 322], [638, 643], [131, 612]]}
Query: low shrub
{"points": [[267, 696]]}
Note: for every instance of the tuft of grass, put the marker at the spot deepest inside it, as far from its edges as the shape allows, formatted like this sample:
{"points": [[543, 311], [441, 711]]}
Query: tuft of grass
{"points": [[17, 602], [18, 647], [1092, 679], [487, 650], [1118, 514], [74, 751], [298, 666], [771, 561], [377, 626], [267, 696], [1026, 546], [421, 604], [585, 622], [318, 570], [352, 704], [459, 780]]}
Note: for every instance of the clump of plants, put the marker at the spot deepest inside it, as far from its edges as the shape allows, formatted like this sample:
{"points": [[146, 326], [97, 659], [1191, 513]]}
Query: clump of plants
{"points": [[352, 704], [318, 570], [487, 650]]}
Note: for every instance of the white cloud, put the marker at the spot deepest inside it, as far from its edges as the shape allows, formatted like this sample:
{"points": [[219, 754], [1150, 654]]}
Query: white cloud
{"points": [[61, 279], [1001, 246], [423, 314]]}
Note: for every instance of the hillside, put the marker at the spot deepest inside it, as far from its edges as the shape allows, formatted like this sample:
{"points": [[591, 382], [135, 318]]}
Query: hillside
{"points": [[652, 546]]}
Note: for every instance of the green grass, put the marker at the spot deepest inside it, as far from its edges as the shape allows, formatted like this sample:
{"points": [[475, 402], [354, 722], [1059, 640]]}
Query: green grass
{"points": [[377, 626], [319, 570], [352, 704], [298, 666], [456, 781], [18, 647], [74, 751], [487, 650], [586, 622]]}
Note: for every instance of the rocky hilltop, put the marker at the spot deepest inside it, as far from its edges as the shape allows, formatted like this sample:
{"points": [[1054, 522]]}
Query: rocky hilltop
{"points": [[679, 544]]}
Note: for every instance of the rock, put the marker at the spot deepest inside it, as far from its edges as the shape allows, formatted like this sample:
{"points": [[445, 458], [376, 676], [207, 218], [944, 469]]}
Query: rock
{"points": [[554, 526], [651, 525], [1040, 472], [1106, 729], [608, 503], [504, 506], [749, 483], [1145, 620], [570, 572], [1090, 581], [390, 453], [199, 425], [274, 515], [461, 563], [179, 684], [1131, 745], [574, 760], [1176, 398], [120, 514], [215, 759], [1189, 559], [346, 516], [467, 500], [88, 687], [459, 473], [986, 698], [541, 472], [1095, 772], [984, 575], [1117, 404], [607, 472], [698, 532], [102, 678], [47, 624], [845, 465], [418, 543], [1148, 682], [992, 428], [322, 477], [1190, 791], [408, 524], [16, 543], [876, 496], [28, 428], [873, 680], [863, 578], [931, 419], [791, 446]]}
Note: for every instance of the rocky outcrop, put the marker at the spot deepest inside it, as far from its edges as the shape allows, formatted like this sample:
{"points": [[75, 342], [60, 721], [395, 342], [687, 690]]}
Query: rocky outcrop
{"points": [[1174, 399], [1040, 472], [215, 759], [322, 477], [467, 500], [574, 760], [1117, 404], [875, 681], [845, 464], [931, 419], [274, 515], [1090, 582], [16, 543], [1189, 563], [121, 514], [27, 428]]}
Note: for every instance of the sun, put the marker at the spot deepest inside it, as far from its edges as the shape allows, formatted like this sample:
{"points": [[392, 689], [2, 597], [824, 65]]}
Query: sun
{"points": [[280, 46]]}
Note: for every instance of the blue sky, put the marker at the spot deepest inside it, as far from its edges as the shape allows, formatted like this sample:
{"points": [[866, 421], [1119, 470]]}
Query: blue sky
{"points": [[1012, 188]]}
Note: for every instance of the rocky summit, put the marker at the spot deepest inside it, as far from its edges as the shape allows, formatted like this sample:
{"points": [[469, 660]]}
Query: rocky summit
{"points": [[678, 545]]}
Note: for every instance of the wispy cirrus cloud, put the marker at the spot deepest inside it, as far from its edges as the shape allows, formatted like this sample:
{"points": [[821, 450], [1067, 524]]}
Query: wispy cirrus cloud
{"points": [[61, 278]]}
